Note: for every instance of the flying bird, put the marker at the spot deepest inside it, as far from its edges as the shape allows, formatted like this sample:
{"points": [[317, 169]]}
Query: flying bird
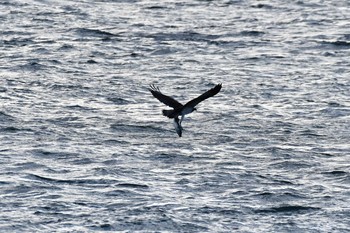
{"points": [[178, 108]]}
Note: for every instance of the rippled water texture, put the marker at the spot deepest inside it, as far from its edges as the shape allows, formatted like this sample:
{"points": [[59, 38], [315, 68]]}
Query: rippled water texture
{"points": [[84, 147]]}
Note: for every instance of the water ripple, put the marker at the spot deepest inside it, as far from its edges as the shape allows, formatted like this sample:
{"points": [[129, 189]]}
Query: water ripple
{"points": [[84, 146]]}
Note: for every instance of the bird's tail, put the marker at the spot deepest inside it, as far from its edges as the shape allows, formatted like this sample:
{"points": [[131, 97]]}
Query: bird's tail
{"points": [[178, 127], [169, 113]]}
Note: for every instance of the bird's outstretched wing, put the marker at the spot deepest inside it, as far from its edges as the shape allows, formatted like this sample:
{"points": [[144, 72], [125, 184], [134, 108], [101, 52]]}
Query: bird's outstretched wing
{"points": [[204, 96], [167, 100]]}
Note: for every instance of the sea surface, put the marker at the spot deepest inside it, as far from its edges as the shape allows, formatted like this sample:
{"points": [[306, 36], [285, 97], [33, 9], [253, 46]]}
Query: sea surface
{"points": [[84, 146]]}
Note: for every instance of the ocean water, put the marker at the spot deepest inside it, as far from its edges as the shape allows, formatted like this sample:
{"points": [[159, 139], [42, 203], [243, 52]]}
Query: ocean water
{"points": [[84, 147]]}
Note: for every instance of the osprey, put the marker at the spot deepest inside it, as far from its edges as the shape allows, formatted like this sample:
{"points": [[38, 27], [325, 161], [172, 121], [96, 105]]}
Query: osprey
{"points": [[178, 108]]}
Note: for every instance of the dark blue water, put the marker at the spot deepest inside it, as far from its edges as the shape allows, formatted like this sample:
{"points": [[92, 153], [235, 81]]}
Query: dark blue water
{"points": [[84, 147]]}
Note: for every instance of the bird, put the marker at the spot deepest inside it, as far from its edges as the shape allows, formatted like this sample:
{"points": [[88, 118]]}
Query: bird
{"points": [[178, 108]]}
